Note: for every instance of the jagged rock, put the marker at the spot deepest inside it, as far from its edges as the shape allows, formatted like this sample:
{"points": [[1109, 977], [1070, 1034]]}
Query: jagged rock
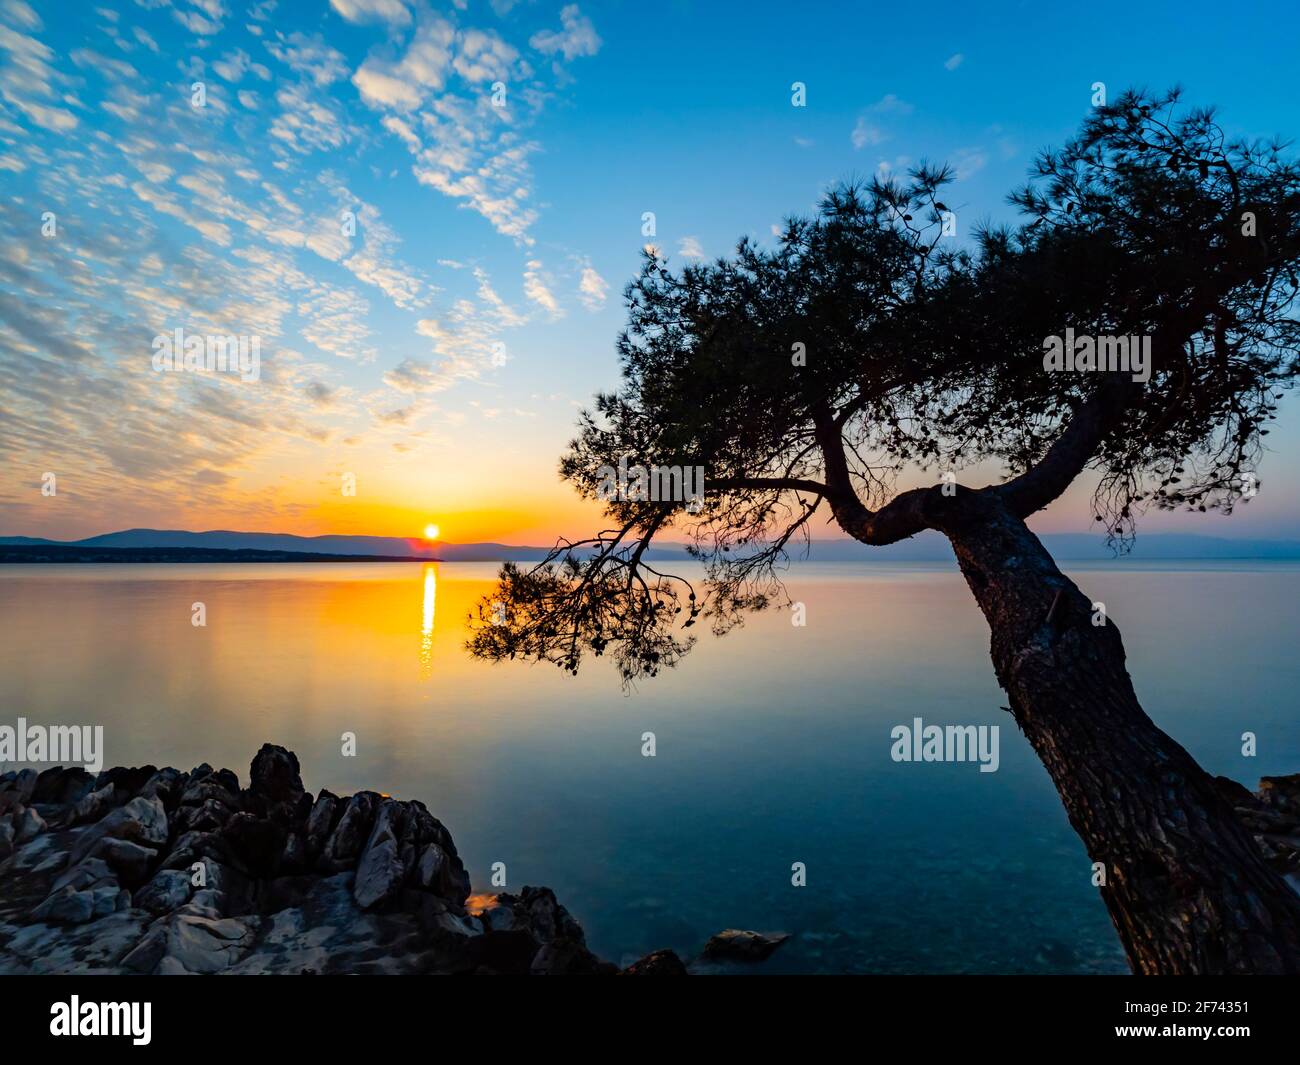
{"points": [[211, 815], [130, 861], [28, 826], [344, 845], [24, 783], [1281, 793], [659, 963], [69, 906], [94, 805], [188, 942], [209, 790], [257, 844], [735, 944], [167, 785], [61, 786], [139, 821], [274, 775], [354, 885], [128, 781], [168, 890], [320, 822], [381, 870]]}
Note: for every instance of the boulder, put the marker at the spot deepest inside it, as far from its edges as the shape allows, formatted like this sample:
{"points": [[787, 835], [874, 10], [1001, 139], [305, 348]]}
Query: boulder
{"points": [[345, 843], [658, 963], [381, 871], [28, 826], [734, 944], [167, 891], [274, 775]]}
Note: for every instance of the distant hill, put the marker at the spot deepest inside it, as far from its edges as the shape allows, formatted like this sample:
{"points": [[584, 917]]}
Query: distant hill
{"points": [[37, 553], [927, 547]]}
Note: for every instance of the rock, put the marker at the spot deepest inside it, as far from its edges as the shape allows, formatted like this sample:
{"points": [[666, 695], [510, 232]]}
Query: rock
{"points": [[127, 781], [274, 775], [167, 785], [363, 885], [381, 870], [320, 823], [257, 844], [659, 963], [344, 845], [139, 821], [68, 906], [94, 805], [167, 891], [62, 786], [129, 860], [24, 784], [1281, 793], [209, 789], [28, 826], [734, 944], [187, 942], [1235, 793], [567, 957]]}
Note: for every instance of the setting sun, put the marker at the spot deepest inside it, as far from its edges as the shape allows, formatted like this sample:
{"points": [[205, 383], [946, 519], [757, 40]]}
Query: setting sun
{"points": [[431, 532]]}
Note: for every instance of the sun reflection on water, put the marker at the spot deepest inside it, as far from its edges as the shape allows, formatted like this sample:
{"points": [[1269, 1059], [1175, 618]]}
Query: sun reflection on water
{"points": [[426, 624]]}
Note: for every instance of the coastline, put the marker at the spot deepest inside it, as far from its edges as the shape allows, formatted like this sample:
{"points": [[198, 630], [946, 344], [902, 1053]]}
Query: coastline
{"points": [[154, 871]]}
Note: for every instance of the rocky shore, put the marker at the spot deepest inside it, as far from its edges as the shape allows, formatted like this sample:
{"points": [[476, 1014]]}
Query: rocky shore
{"points": [[146, 870]]}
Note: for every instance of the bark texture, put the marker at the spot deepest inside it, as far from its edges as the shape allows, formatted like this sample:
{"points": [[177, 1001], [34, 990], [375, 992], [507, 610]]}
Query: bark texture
{"points": [[1187, 888]]}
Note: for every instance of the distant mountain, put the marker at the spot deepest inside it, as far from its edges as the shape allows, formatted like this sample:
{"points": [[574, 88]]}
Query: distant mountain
{"points": [[927, 547]]}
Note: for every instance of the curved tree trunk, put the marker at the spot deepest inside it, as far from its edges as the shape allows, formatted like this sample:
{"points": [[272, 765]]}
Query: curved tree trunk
{"points": [[1185, 885]]}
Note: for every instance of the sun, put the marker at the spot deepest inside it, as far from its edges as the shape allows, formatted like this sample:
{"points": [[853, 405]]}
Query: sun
{"points": [[431, 531]]}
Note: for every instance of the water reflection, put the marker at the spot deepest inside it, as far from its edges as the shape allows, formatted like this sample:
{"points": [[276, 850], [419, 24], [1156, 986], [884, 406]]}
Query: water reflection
{"points": [[426, 624]]}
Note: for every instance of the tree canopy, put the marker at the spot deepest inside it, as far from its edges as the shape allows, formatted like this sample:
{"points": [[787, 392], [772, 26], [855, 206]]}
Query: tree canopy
{"points": [[868, 342]]}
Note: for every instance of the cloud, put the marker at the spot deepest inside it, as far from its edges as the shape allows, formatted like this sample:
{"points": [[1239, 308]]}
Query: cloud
{"points": [[393, 12], [889, 104], [577, 36], [592, 289], [868, 132], [689, 248], [404, 84], [954, 61], [26, 80], [309, 56], [535, 289], [968, 162]]}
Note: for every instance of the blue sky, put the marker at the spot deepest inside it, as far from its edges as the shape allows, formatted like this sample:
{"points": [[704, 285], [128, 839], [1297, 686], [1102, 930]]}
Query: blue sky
{"points": [[440, 352]]}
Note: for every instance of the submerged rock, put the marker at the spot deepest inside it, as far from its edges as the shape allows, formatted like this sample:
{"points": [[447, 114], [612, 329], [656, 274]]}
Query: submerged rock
{"points": [[735, 944]]}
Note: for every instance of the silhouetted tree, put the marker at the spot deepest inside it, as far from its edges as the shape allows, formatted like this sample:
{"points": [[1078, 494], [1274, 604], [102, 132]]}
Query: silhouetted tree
{"points": [[920, 355]]}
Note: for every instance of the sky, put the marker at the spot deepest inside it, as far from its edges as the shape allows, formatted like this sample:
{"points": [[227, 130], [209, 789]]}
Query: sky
{"points": [[426, 215]]}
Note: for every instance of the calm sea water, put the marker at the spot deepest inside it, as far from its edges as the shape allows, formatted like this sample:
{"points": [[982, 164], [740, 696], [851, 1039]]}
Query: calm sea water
{"points": [[772, 743]]}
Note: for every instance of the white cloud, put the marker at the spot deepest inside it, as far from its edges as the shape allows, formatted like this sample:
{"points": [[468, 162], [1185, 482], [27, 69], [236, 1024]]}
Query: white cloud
{"points": [[689, 248], [309, 56], [592, 289], [576, 37], [535, 289], [393, 12], [403, 85], [954, 61]]}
